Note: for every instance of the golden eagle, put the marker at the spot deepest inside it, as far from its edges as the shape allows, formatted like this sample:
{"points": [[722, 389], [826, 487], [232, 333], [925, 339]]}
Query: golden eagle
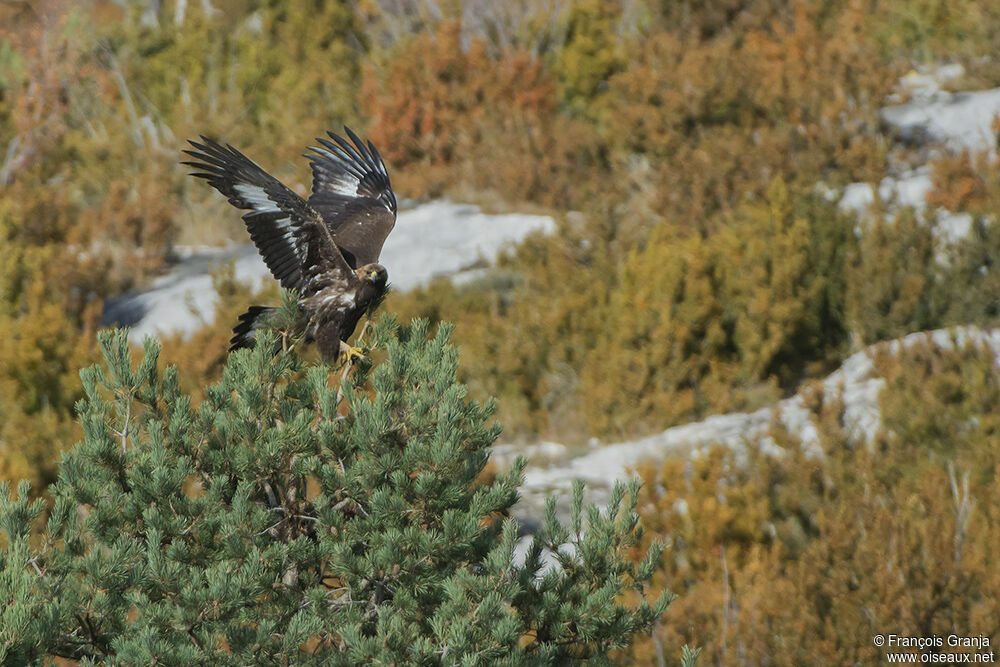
{"points": [[326, 247]]}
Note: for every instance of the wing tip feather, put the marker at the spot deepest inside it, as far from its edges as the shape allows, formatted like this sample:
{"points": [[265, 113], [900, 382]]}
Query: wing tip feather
{"points": [[356, 159]]}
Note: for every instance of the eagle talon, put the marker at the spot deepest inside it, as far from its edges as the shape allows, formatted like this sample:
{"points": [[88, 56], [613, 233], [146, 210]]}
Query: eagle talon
{"points": [[350, 354]]}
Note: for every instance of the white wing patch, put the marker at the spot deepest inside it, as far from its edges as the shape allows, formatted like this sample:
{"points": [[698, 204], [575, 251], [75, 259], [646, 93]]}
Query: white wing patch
{"points": [[343, 183], [256, 197]]}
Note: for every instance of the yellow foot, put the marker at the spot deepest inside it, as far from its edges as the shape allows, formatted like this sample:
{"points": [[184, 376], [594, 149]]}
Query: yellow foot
{"points": [[351, 354]]}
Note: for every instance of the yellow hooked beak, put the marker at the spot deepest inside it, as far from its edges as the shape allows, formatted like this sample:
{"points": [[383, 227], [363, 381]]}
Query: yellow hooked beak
{"points": [[372, 275]]}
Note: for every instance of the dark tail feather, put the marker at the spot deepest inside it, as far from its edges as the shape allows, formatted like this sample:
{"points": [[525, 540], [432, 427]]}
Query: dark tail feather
{"points": [[245, 333]]}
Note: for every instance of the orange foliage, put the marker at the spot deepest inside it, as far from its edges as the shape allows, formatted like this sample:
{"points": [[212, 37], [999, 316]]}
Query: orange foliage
{"points": [[958, 185], [722, 117], [437, 106]]}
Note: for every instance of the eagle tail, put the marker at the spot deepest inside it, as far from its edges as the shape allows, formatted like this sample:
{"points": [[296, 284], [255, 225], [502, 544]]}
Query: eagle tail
{"points": [[245, 333]]}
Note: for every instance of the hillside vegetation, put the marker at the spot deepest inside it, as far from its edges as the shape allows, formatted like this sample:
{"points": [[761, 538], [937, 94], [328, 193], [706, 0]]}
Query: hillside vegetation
{"points": [[802, 559], [699, 267], [696, 269]]}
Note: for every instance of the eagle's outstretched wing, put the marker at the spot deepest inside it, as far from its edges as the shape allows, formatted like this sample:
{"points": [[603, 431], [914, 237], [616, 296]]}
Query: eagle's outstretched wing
{"points": [[277, 215], [351, 191], [302, 246]]}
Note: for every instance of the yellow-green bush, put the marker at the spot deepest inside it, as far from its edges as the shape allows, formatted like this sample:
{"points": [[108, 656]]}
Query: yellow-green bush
{"points": [[682, 327]]}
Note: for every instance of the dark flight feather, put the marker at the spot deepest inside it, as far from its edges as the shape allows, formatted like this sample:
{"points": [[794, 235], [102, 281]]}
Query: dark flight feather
{"points": [[275, 211], [351, 191], [245, 332]]}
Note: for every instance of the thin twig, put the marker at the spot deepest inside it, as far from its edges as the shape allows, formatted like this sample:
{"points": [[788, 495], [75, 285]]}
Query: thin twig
{"points": [[964, 504], [270, 494], [725, 597], [271, 527], [347, 367], [124, 432]]}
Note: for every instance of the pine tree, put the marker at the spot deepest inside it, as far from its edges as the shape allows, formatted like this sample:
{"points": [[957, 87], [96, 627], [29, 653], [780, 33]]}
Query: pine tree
{"points": [[291, 519]]}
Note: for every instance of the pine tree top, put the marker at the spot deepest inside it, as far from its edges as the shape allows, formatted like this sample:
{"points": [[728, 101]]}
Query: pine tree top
{"points": [[291, 518]]}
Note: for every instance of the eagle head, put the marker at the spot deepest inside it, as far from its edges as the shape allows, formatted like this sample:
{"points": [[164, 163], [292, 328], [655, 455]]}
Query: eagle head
{"points": [[374, 274]]}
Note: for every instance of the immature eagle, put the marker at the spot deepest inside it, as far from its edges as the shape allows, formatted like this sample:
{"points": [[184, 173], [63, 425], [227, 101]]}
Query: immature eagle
{"points": [[326, 247]]}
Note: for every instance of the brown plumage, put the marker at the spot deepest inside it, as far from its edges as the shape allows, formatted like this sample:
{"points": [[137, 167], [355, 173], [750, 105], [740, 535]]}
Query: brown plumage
{"points": [[327, 248]]}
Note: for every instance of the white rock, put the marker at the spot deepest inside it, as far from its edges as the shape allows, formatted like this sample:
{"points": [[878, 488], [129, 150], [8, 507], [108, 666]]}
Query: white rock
{"points": [[435, 239], [958, 120], [857, 198], [952, 121], [855, 382], [952, 227], [926, 82], [909, 189], [443, 239]]}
